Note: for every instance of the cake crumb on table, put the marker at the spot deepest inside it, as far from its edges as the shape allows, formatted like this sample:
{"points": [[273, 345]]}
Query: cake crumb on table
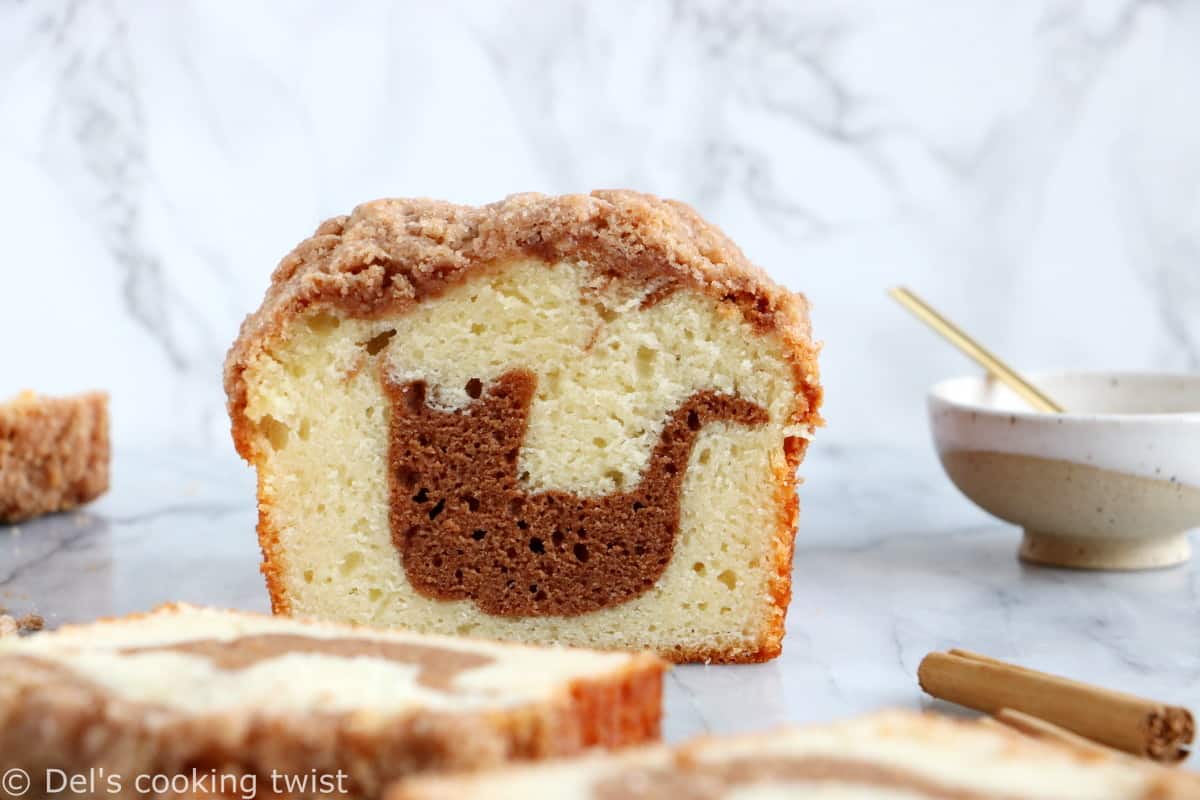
{"points": [[15, 626], [54, 454]]}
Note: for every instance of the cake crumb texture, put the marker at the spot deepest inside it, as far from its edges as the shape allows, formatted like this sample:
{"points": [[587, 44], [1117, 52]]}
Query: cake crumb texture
{"points": [[618, 309], [54, 453]]}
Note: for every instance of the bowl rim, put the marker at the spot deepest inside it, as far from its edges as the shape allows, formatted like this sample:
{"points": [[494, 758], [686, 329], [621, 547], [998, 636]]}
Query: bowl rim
{"points": [[937, 393]]}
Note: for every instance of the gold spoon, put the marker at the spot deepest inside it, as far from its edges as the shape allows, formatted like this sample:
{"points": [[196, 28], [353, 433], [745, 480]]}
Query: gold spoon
{"points": [[974, 350]]}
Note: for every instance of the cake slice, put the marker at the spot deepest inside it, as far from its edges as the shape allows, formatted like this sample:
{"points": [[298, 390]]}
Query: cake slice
{"points": [[897, 755], [234, 694], [53, 453], [568, 419]]}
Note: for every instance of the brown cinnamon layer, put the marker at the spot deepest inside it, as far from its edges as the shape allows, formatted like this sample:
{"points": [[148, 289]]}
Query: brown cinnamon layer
{"points": [[713, 781], [437, 666], [465, 528]]}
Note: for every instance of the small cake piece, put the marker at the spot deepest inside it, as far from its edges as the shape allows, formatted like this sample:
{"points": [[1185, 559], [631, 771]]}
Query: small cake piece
{"points": [[570, 420], [897, 755], [233, 694], [53, 453]]}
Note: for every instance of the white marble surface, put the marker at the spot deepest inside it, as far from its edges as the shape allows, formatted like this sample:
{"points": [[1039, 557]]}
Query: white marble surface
{"points": [[1032, 166], [890, 564]]}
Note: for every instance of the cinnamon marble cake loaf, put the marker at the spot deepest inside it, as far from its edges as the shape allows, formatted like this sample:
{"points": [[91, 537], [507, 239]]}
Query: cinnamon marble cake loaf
{"points": [[894, 755], [233, 694], [556, 419], [54, 453]]}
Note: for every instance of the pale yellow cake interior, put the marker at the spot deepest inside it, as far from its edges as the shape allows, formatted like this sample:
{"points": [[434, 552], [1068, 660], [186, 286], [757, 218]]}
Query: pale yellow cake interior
{"points": [[609, 372]]}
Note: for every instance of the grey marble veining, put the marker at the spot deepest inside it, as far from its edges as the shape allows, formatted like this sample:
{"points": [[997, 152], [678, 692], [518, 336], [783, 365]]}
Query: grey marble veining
{"points": [[1032, 167], [173, 528], [890, 564]]}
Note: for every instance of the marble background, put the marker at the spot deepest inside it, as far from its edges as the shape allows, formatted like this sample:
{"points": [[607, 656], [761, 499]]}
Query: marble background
{"points": [[1032, 167]]}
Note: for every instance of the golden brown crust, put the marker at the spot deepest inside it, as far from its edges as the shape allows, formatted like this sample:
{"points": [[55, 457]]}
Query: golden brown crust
{"points": [[54, 718], [272, 566], [782, 547], [54, 453], [389, 254]]}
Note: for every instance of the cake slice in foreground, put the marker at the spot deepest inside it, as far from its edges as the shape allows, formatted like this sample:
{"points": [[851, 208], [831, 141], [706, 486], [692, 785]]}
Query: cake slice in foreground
{"points": [[54, 453], [895, 755], [230, 694], [554, 419]]}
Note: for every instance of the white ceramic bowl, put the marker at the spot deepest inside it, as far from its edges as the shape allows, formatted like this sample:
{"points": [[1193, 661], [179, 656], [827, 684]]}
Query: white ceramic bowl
{"points": [[1112, 484]]}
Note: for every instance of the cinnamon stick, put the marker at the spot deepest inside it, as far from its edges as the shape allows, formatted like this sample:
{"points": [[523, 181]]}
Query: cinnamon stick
{"points": [[1036, 728], [1122, 721]]}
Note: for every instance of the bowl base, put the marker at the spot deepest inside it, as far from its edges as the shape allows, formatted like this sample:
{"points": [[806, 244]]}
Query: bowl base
{"points": [[1077, 552]]}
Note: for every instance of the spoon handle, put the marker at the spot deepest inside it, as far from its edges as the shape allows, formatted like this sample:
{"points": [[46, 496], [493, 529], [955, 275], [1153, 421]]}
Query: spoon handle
{"points": [[974, 350]]}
